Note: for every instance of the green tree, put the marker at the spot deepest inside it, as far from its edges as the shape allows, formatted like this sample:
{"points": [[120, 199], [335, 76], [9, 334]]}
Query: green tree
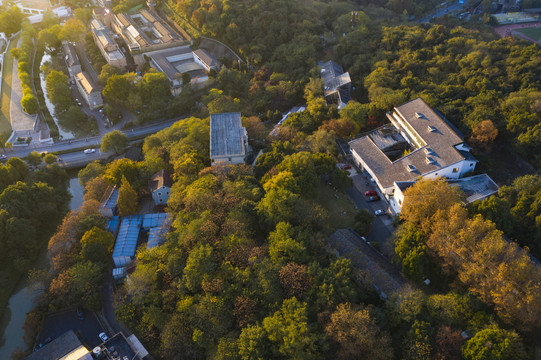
{"points": [[494, 344], [288, 328], [363, 221], [58, 90], [11, 20], [200, 262], [107, 71], [73, 30], [50, 159], [128, 202], [34, 158], [114, 141], [253, 343], [90, 171], [97, 245], [358, 335]]}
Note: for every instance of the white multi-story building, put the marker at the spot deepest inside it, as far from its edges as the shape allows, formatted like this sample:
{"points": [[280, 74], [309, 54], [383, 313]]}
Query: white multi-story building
{"points": [[419, 144]]}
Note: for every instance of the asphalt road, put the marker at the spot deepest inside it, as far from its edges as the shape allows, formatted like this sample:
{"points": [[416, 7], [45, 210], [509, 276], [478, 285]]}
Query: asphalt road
{"points": [[451, 8], [57, 324], [88, 142], [380, 230]]}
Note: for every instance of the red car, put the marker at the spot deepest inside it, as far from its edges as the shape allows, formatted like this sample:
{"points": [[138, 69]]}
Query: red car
{"points": [[345, 166], [370, 193]]}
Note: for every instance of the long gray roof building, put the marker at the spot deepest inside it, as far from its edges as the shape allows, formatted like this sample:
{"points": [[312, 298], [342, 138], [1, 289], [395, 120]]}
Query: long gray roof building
{"points": [[228, 139]]}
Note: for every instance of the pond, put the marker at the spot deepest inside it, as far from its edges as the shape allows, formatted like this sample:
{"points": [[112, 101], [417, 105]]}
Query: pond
{"points": [[25, 294]]}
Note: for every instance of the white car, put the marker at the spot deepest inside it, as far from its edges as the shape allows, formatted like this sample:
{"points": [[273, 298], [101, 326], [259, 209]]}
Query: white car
{"points": [[103, 337], [89, 151], [379, 212]]}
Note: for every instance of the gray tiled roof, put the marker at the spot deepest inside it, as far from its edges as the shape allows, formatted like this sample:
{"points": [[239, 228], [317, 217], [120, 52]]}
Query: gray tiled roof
{"points": [[160, 58], [58, 348], [205, 57], [226, 135], [442, 142], [71, 55]]}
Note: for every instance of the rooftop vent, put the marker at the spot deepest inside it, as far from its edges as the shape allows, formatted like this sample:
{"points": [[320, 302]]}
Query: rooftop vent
{"points": [[429, 151], [430, 160], [411, 168], [419, 115], [432, 128]]}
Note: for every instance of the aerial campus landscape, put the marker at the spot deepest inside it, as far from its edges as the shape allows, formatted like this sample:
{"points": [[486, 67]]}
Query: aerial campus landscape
{"points": [[270, 179]]}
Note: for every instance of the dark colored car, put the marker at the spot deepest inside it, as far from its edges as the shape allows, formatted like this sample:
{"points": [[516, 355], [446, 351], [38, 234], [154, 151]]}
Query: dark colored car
{"points": [[373, 198], [80, 313], [370, 193]]}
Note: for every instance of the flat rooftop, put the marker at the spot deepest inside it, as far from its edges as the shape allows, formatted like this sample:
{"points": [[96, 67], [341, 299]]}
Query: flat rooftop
{"points": [[476, 187], [226, 135], [176, 61], [333, 76]]}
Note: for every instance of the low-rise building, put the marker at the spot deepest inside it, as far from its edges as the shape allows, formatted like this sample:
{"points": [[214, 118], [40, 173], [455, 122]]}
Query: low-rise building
{"points": [[107, 45], [65, 347], [160, 187], [89, 90], [419, 143], [108, 204], [180, 60], [336, 84], [71, 58], [228, 139], [127, 240], [204, 59]]}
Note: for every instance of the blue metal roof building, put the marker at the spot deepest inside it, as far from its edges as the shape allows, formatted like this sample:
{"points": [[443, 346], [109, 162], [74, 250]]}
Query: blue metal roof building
{"points": [[126, 240], [155, 220], [157, 226], [112, 225]]}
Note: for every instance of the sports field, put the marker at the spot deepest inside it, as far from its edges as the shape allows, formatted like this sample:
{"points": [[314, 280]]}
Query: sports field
{"points": [[533, 32], [7, 71]]}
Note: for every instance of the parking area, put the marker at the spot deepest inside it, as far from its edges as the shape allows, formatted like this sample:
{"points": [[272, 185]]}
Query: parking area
{"points": [[87, 329]]}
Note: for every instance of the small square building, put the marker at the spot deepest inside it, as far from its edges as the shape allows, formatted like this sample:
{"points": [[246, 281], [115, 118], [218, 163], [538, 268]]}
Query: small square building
{"points": [[160, 187]]}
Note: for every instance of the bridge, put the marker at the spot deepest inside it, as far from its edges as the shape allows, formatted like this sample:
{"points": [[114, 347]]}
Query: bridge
{"points": [[72, 151]]}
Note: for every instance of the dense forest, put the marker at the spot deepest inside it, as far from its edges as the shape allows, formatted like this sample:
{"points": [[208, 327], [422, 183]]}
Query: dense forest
{"points": [[32, 203], [246, 272]]}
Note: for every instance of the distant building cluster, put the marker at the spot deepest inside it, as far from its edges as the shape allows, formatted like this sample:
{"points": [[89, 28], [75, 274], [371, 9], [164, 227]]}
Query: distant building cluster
{"points": [[419, 143], [35, 9], [147, 37]]}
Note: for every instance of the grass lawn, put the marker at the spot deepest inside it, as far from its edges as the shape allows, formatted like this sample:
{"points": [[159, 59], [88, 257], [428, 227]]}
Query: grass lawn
{"points": [[338, 205], [534, 33], [7, 72]]}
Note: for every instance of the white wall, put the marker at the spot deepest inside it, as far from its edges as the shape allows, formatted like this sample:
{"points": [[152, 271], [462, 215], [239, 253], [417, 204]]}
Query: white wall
{"points": [[161, 195]]}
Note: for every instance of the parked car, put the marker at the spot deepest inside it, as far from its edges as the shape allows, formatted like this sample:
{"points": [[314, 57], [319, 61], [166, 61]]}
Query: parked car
{"points": [[373, 198], [379, 212], [78, 102], [103, 337], [89, 151], [80, 313], [3, 157], [370, 193], [345, 166]]}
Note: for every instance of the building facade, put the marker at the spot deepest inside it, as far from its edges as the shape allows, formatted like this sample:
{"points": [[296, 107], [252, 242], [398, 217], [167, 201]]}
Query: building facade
{"points": [[108, 47], [160, 187], [91, 94]]}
